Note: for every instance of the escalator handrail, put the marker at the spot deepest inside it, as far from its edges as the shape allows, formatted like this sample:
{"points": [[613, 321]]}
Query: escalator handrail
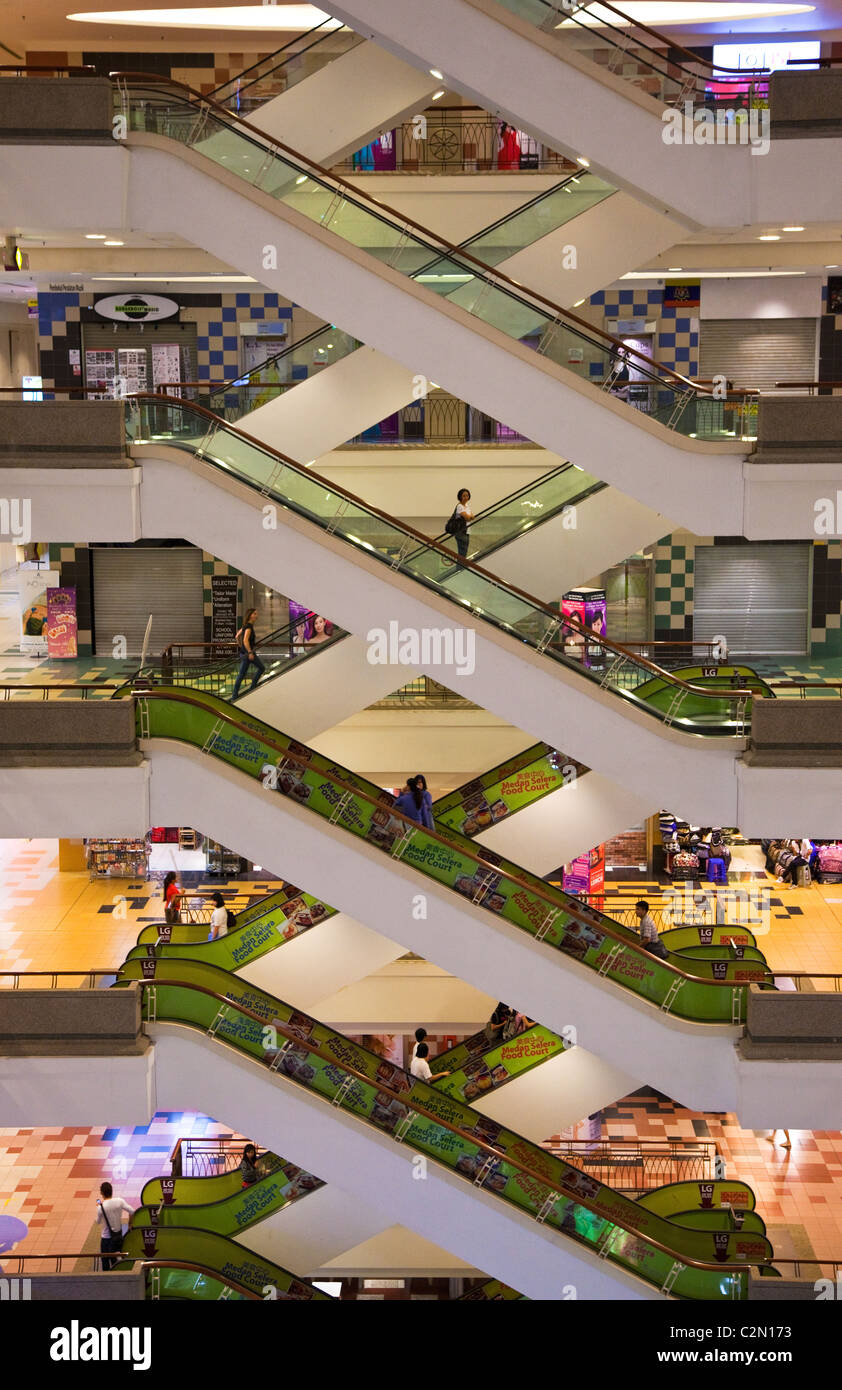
{"points": [[425, 542], [669, 44], [420, 1109], [387, 213], [211, 668], [235, 383], [176, 695], [299, 38]]}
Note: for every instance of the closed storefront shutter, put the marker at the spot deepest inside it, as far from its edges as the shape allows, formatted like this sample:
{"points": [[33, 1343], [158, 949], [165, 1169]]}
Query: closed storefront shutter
{"points": [[132, 582], [758, 352], [755, 595]]}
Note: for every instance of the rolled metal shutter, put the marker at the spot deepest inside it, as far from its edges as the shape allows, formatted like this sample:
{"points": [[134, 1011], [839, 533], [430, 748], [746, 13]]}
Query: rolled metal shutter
{"points": [[757, 595], [130, 582], [758, 352]]}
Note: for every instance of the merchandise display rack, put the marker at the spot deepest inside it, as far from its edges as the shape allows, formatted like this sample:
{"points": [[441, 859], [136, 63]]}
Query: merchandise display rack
{"points": [[117, 858]]}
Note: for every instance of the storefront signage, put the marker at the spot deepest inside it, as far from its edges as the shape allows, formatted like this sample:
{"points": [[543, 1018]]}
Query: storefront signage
{"points": [[224, 590], [61, 623], [136, 308]]}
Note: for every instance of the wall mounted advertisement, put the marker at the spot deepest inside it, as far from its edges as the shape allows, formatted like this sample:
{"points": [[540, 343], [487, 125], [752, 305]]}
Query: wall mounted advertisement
{"points": [[32, 588], [589, 607], [62, 627]]}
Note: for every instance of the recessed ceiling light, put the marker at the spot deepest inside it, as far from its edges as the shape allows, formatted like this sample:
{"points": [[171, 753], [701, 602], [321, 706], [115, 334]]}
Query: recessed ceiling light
{"points": [[295, 18], [438, 94], [585, 163], [671, 269], [113, 243], [95, 236], [578, 302], [831, 267], [771, 237], [439, 76], [302, 178], [663, 12], [792, 229]]}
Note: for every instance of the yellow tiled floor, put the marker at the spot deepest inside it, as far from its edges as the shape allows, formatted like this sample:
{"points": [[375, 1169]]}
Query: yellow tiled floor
{"points": [[50, 920], [53, 920]]}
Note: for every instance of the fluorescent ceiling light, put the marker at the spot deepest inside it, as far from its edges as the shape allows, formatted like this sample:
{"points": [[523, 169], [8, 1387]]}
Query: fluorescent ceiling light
{"points": [[662, 13], [275, 17], [438, 94], [140, 279], [95, 236], [439, 76], [585, 163], [716, 274], [673, 269], [792, 229], [772, 236], [113, 243]]}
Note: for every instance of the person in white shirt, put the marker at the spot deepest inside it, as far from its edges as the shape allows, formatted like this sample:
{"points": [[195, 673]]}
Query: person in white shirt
{"points": [[219, 917], [110, 1211], [420, 1035], [420, 1067]]}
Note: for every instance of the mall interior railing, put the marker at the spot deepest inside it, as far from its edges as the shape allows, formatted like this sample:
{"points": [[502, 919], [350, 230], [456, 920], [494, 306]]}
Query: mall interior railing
{"points": [[645, 58], [635, 1166], [455, 140]]}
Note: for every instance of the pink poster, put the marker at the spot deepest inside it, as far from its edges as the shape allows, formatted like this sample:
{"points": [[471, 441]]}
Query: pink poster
{"points": [[61, 623]]}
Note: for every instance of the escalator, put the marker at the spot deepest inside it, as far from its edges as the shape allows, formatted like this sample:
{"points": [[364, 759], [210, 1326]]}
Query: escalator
{"points": [[288, 771], [553, 958], [508, 652], [198, 1014], [433, 307], [559, 72], [216, 1255]]}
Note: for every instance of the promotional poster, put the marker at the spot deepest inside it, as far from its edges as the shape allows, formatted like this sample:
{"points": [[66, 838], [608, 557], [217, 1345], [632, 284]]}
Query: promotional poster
{"points": [[61, 623]]}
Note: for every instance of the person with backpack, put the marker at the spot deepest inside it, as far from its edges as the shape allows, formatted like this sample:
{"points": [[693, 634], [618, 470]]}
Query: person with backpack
{"points": [[222, 919], [457, 524], [247, 648], [109, 1215]]}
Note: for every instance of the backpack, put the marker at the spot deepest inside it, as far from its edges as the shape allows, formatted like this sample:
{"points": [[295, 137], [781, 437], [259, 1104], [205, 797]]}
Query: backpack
{"points": [[455, 524], [231, 920]]}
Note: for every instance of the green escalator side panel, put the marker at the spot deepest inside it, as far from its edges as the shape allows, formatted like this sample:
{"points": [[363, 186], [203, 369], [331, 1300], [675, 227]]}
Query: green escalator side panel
{"points": [[477, 1070], [609, 1215], [219, 1255], [503, 790], [201, 722], [708, 953], [181, 932], [239, 1208], [678, 939], [720, 1220], [184, 1192], [493, 1291], [686, 1196], [192, 1287], [282, 922]]}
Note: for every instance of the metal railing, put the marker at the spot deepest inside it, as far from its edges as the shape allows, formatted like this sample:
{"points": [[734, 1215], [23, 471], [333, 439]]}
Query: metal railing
{"points": [[23, 1266], [208, 1156], [36, 979], [439, 420], [458, 140], [635, 1166]]}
